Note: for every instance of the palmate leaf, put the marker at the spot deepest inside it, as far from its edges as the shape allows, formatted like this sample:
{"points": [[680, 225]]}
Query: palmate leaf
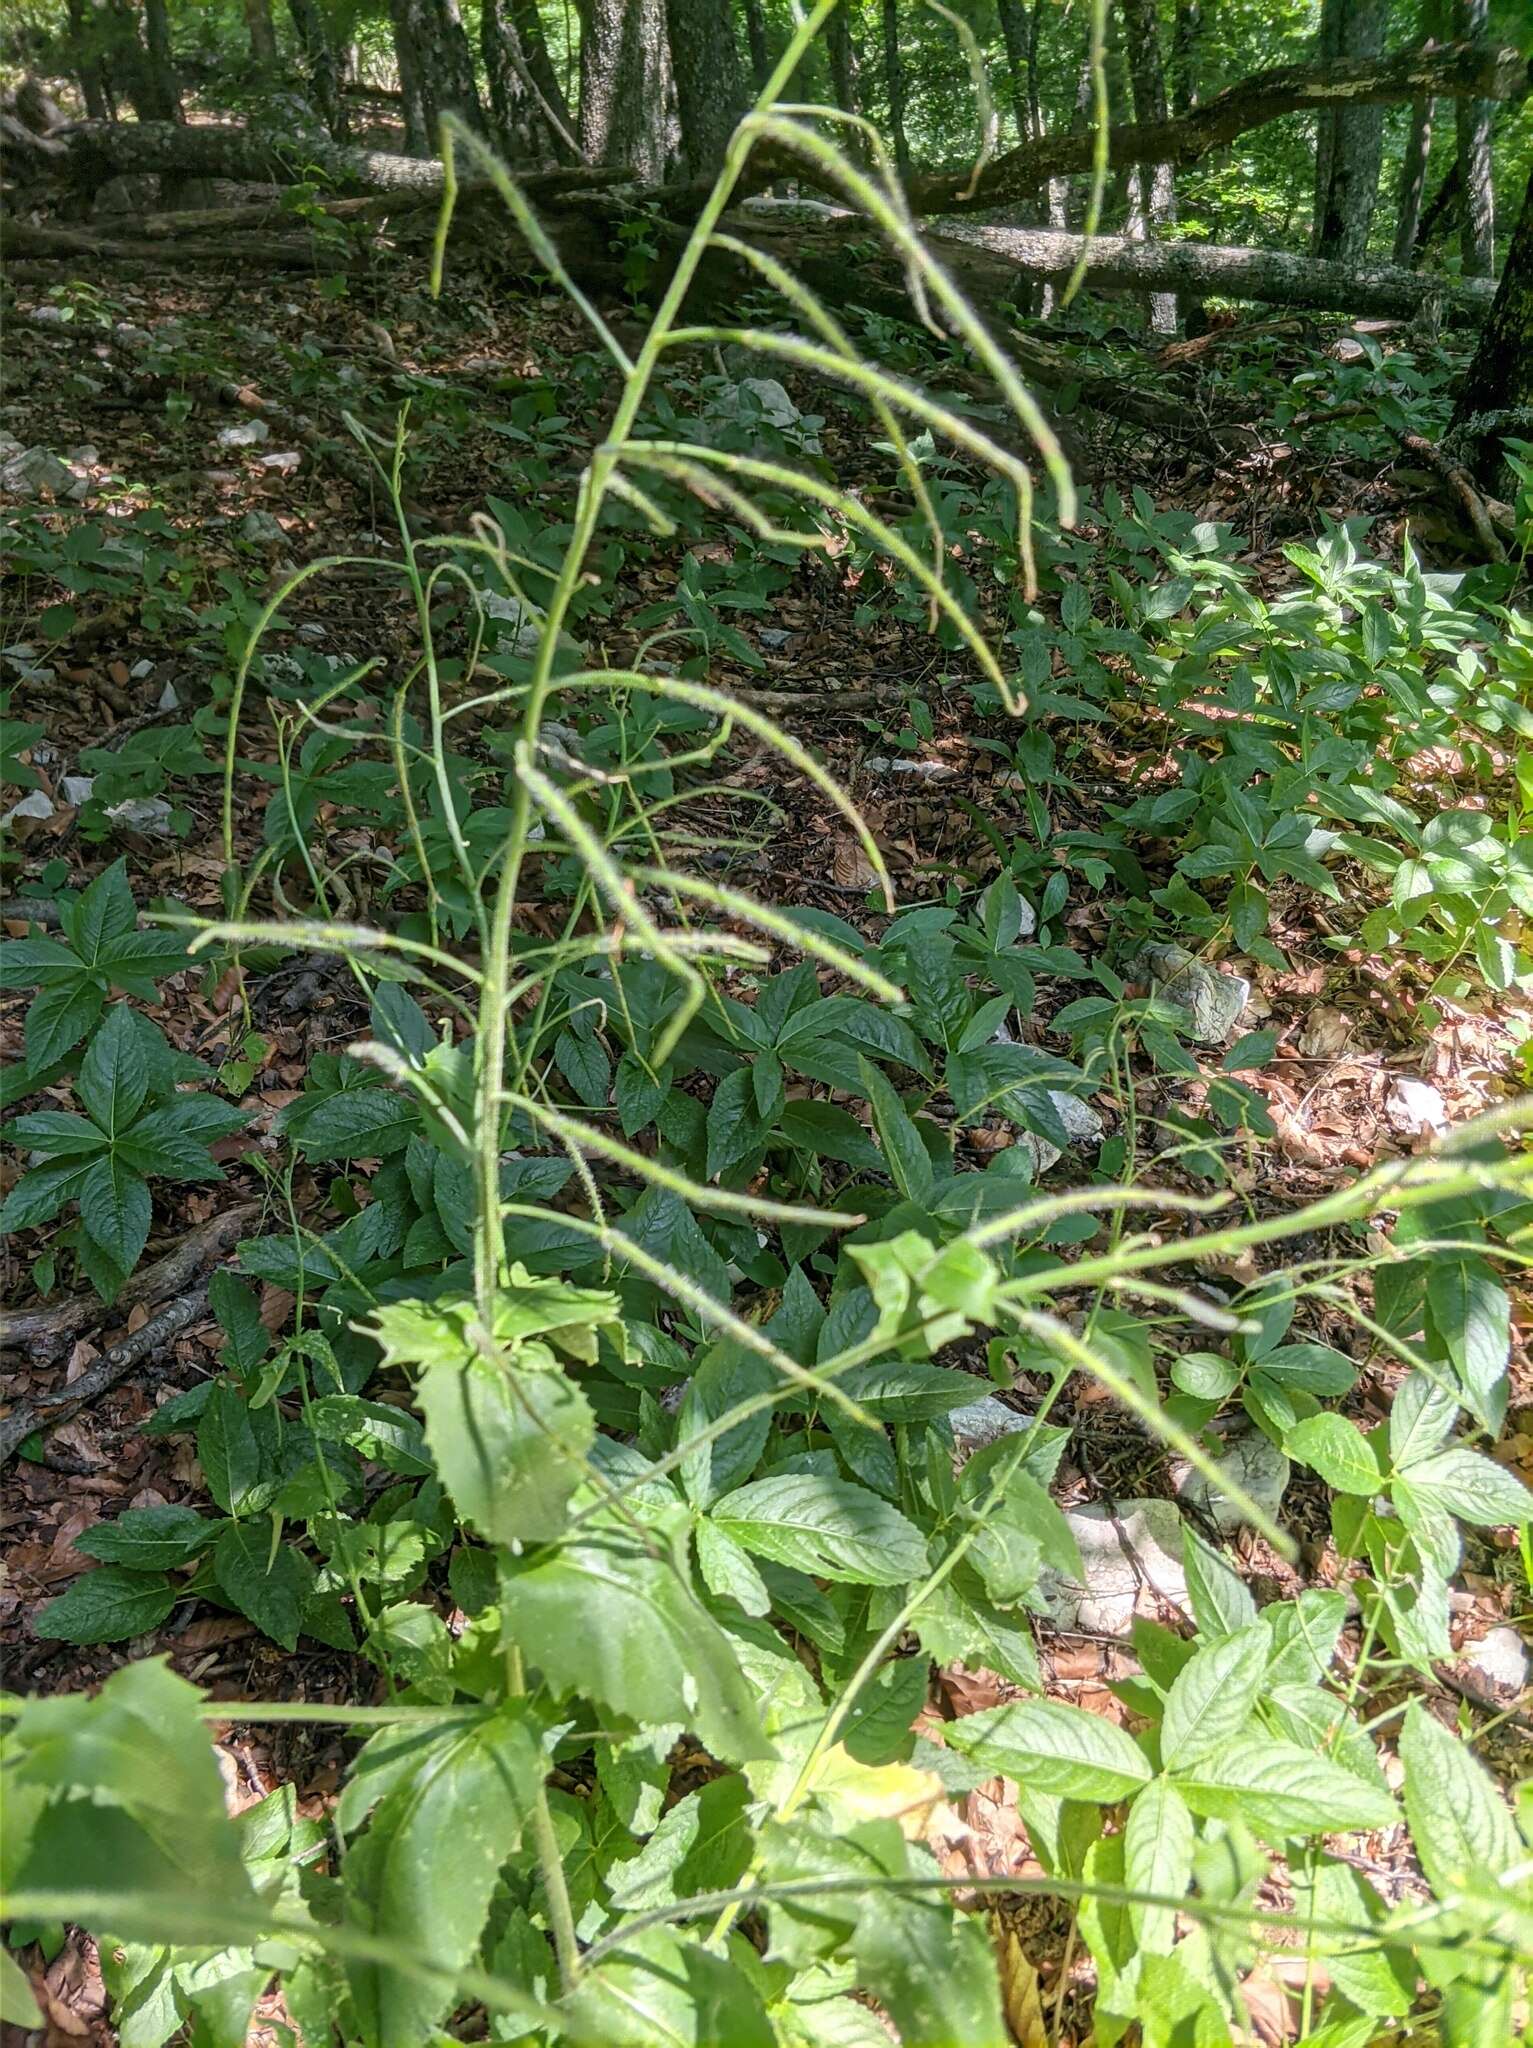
{"points": [[423, 1874]]}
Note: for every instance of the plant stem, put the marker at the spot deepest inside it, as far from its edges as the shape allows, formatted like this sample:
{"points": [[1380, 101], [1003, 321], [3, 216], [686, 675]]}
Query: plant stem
{"points": [[546, 1845]]}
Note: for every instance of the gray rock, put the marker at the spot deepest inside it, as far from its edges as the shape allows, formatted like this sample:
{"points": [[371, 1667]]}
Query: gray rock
{"points": [[168, 700], [150, 814], [140, 669], [1252, 1461], [247, 434], [1212, 1001], [35, 804], [131, 336], [36, 470], [1132, 1564], [922, 771], [312, 631], [77, 789], [1080, 1121], [1415, 1106], [1496, 1667], [984, 1421], [284, 461], [261, 530], [85, 455], [774, 637], [10, 446]]}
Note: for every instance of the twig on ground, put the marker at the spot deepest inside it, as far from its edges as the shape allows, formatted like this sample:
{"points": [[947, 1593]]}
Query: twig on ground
{"points": [[1462, 485], [114, 1365]]}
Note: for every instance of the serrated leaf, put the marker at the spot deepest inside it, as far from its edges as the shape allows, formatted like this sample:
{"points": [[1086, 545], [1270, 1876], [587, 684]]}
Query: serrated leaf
{"points": [[1473, 1488], [1212, 1697], [662, 1991], [1281, 1790], [605, 1618], [1421, 1415], [1472, 1314], [735, 1127], [584, 1064], [422, 1876], [1459, 1822], [510, 1445], [1157, 1857], [246, 1338], [107, 1606], [1053, 1748], [59, 1018], [149, 1539], [1337, 1449], [1221, 1601], [114, 1075], [57, 1134], [827, 1527], [40, 1194], [271, 1591], [356, 1123], [115, 1209], [910, 1164]]}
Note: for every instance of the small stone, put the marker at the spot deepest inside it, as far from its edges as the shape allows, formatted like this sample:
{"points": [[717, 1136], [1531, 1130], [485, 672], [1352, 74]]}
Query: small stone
{"points": [[1137, 1571], [35, 470], [1081, 1122], [1416, 1106], [248, 434], [923, 771], [131, 336], [10, 446], [311, 631], [167, 699], [283, 461], [35, 804], [151, 814], [984, 1421], [77, 789], [140, 669], [261, 530], [1253, 1462], [1496, 1666], [86, 456], [51, 316], [1212, 1001], [774, 637]]}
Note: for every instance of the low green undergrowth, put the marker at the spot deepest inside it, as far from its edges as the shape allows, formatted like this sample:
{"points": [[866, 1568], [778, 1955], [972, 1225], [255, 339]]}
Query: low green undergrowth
{"points": [[614, 1433]]}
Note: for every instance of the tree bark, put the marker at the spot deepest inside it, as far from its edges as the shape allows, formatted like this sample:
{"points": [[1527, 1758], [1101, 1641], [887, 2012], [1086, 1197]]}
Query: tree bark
{"points": [[894, 81], [164, 95], [262, 31], [756, 39], [710, 88], [527, 20], [1482, 70], [436, 68], [1418, 150], [319, 56], [1497, 399], [1192, 18], [525, 122], [845, 61], [625, 86], [1148, 81], [1350, 152], [87, 61], [1015, 34], [1472, 119]]}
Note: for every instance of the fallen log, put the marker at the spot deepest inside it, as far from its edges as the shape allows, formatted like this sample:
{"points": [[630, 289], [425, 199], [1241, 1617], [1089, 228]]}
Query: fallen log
{"points": [[1200, 268]]}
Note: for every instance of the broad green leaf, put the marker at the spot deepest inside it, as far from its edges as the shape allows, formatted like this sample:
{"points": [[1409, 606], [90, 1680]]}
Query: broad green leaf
{"points": [[1157, 1857], [728, 1571], [57, 1134], [114, 1076], [1211, 1698], [1316, 1368], [1458, 1819], [703, 1844], [831, 1133], [102, 915], [173, 1140], [356, 1123], [1304, 1633], [1221, 1601], [727, 1377], [150, 1539], [58, 1019], [18, 2007], [423, 1874], [910, 1164], [115, 1207], [662, 1990], [584, 1064], [606, 1619], [246, 1338], [1473, 1488], [1053, 1748], [829, 1528], [1421, 1415], [1280, 1790], [387, 1435], [39, 1195], [1380, 1981], [1337, 1449], [932, 1969], [1472, 1314], [271, 1591], [736, 1128], [107, 1606], [510, 1444]]}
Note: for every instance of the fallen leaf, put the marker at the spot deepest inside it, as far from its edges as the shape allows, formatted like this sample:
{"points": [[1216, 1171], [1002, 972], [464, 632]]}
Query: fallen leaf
{"points": [[1021, 1998]]}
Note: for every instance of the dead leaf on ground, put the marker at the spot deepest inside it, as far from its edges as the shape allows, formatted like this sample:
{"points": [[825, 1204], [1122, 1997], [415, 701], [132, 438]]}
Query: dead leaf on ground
{"points": [[1326, 1033], [1021, 1997]]}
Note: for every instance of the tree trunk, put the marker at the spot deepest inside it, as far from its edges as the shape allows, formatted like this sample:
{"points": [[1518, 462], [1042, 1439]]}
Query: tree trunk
{"points": [[625, 86], [526, 124], [319, 56], [84, 42], [262, 31], [1148, 82], [756, 37], [710, 89], [1497, 400], [1350, 149], [845, 62], [1472, 118], [164, 100], [1015, 27], [436, 69], [527, 20], [1192, 17], [1418, 150], [894, 79]]}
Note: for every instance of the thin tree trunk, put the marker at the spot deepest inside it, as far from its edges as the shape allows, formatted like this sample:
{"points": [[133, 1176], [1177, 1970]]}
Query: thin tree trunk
{"points": [[625, 85], [320, 59], [164, 93], [527, 19], [87, 63], [1192, 19], [1015, 30], [1497, 400], [1418, 149], [431, 43], [262, 31], [1472, 118], [1148, 82], [756, 37], [894, 79], [845, 63], [710, 88], [1353, 153], [517, 127]]}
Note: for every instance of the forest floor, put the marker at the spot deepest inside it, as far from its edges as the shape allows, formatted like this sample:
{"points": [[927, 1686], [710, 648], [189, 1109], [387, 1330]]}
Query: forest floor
{"points": [[136, 386]]}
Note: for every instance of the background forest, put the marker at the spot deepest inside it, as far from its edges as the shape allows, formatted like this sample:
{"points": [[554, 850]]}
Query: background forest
{"points": [[766, 881]]}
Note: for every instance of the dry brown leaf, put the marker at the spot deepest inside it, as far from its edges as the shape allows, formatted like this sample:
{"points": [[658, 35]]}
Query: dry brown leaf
{"points": [[1326, 1032], [849, 865], [1021, 1997]]}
